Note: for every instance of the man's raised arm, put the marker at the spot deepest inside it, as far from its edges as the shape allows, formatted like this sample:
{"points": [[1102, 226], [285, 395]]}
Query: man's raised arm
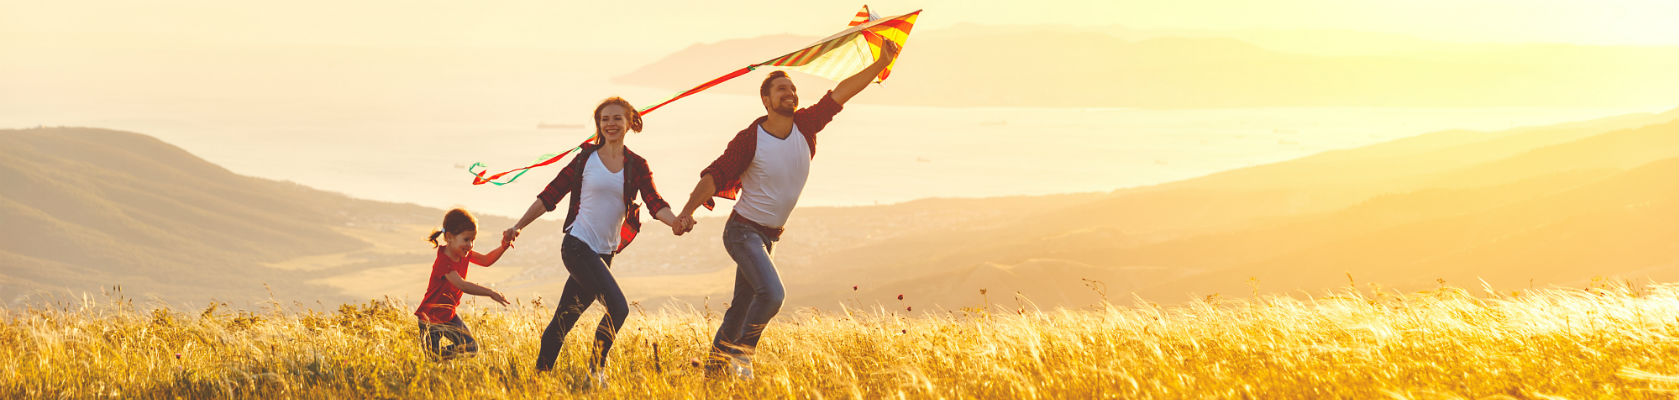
{"points": [[851, 86]]}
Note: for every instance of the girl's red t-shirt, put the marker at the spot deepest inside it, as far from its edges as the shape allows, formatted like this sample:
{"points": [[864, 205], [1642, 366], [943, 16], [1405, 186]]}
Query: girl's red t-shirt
{"points": [[438, 307]]}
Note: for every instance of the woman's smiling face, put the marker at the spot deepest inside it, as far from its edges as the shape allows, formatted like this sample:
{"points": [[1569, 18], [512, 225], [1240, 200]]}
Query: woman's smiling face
{"points": [[612, 121]]}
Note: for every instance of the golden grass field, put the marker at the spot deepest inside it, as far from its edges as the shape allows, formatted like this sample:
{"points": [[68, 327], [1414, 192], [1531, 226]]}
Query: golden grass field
{"points": [[1608, 341]]}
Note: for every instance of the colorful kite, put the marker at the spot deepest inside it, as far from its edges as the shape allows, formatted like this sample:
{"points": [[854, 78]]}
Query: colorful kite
{"points": [[833, 58]]}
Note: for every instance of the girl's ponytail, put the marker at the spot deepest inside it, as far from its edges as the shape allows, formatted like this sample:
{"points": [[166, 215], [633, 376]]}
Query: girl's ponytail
{"points": [[433, 239]]}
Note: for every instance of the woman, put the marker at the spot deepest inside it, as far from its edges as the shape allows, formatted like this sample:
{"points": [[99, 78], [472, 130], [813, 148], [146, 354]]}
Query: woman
{"points": [[600, 222]]}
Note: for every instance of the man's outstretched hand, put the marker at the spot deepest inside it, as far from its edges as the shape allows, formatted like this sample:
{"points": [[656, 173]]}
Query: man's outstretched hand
{"points": [[681, 224], [685, 223], [889, 50], [850, 86]]}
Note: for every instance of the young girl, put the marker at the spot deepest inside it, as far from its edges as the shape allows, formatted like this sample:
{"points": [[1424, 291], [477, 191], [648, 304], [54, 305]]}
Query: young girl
{"points": [[602, 218], [448, 279]]}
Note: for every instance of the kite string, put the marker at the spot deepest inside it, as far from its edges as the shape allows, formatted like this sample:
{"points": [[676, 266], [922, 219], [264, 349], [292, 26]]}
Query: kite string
{"points": [[703, 86]]}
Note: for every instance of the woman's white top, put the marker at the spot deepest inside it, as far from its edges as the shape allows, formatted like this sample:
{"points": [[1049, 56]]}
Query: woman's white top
{"points": [[600, 211]]}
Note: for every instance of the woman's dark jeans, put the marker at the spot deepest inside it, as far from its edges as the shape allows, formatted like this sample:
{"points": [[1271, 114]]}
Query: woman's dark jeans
{"points": [[590, 280]]}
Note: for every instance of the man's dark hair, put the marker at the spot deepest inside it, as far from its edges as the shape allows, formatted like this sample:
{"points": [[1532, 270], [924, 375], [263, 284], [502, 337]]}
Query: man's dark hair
{"points": [[764, 89]]}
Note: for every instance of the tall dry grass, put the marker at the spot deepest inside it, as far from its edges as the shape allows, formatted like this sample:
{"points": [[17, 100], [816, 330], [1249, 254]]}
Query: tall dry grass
{"points": [[1613, 341]]}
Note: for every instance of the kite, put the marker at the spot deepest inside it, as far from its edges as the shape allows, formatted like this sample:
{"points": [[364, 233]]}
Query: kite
{"points": [[833, 58]]}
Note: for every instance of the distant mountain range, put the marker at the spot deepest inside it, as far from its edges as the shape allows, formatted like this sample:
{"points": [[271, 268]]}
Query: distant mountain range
{"points": [[1537, 206], [1053, 66], [90, 209]]}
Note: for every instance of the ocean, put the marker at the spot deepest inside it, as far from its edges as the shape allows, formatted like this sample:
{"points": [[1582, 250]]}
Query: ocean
{"points": [[416, 149]]}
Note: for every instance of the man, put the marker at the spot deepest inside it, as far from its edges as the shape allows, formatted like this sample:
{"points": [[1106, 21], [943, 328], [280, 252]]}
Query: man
{"points": [[766, 165]]}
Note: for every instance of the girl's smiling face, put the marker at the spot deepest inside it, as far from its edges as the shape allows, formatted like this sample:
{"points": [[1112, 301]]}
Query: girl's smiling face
{"points": [[458, 244]]}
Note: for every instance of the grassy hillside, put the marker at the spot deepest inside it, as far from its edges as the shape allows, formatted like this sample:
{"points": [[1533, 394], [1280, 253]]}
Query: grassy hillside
{"points": [[88, 209], [1418, 236], [1608, 341], [1395, 211]]}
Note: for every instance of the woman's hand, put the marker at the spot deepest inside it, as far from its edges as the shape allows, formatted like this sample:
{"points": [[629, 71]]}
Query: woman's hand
{"points": [[675, 224], [494, 295], [678, 225], [688, 223], [508, 236]]}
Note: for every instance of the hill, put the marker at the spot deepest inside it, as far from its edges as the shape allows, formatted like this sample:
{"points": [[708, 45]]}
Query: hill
{"points": [[1536, 206], [1560, 204], [93, 209]]}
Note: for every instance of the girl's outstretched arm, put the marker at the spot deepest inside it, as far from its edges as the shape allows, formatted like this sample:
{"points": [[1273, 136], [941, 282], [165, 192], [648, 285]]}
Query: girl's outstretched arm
{"points": [[474, 289], [487, 259]]}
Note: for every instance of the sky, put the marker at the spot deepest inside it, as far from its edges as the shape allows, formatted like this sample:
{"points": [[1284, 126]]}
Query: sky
{"points": [[664, 26], [229, 79]]}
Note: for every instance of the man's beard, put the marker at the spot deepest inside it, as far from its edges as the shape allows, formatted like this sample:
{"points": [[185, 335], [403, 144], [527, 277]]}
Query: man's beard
{"points": [[780, 107], [783, 110]]}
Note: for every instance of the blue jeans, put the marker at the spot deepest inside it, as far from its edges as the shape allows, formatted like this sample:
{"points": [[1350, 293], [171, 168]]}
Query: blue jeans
{"points": [[758, 292], [590, 281], [432, 335]]}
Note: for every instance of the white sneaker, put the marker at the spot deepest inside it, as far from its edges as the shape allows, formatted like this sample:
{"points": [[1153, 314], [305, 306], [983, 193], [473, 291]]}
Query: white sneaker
{"points": [[598, 379], [743, 368]]}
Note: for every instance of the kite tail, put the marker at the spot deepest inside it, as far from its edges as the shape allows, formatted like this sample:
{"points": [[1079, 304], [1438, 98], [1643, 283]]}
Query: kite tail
{"points": [[478, 177]]}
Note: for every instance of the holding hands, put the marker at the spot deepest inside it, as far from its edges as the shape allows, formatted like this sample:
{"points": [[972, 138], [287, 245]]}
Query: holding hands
{"points": [[508, 236], [687, 222], [678, 225]]}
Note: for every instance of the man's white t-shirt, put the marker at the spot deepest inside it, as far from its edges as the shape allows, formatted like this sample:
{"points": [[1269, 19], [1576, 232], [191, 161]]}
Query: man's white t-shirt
{"points": [[770, 187]]}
